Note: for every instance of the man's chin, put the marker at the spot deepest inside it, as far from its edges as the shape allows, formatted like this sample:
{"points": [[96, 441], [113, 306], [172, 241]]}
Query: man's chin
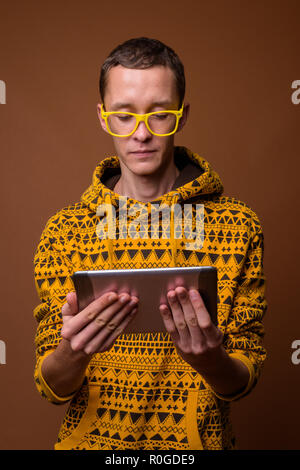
{"points": [[145, 170], [144, 167]]}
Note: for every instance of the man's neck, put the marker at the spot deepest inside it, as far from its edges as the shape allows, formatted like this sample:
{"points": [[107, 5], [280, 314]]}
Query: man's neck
{"points": [[147, 188]]}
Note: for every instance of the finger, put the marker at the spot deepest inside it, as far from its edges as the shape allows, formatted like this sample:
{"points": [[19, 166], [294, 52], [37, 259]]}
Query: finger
{"points": [[107, 321], [70, 307], [197, 338], [71, 298], [212, 334], [119, 330], [178, 318], [169, 322], [84, 317], [107, 336]]}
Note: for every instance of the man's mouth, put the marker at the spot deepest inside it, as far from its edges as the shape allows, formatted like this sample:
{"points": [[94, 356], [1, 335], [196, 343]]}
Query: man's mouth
{"points": [[142, 152]]}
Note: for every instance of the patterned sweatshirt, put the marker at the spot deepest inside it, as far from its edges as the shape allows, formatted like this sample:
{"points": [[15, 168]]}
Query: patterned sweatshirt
{"points": [[141, 394]]}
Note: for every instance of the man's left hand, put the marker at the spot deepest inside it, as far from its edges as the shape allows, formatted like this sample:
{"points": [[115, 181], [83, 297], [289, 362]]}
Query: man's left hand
{"points": [[188, 322]]}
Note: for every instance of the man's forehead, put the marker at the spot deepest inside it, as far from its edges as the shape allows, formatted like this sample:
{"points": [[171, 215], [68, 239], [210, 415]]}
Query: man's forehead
{"points": [[156, 83], [130, 73]]}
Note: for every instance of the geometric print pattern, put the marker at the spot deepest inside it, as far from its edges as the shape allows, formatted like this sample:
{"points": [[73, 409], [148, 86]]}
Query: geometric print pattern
{"points": [[141, 394]]}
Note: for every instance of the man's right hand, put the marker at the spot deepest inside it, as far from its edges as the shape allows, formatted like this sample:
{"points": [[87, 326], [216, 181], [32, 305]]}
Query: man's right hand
{"points": [[96, 327], [92, 330]]}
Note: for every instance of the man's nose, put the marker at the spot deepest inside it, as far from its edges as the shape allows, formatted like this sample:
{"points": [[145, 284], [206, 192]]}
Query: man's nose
{"points": [[142, 133]]}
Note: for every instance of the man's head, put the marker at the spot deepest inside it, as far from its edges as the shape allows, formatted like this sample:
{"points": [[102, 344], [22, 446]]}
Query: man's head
{"points": [[143, 53], [141, 76]]}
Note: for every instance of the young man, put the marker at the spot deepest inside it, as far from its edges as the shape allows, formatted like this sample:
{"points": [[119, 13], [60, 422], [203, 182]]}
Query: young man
{"points": [[167, 390]]}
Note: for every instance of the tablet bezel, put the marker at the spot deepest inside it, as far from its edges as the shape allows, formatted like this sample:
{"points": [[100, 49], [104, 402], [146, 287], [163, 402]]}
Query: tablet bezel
{"points": [[86, 282]]}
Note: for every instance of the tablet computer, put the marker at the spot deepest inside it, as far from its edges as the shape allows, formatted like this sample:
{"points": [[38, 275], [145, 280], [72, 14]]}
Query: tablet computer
{"points": [[151, 287]]}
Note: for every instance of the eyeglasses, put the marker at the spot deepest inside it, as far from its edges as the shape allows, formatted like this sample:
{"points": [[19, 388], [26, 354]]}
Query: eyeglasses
{"points": [[160, 123]]}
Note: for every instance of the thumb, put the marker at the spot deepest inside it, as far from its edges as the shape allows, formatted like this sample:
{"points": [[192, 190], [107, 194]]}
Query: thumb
{"points": [[72, 301]]}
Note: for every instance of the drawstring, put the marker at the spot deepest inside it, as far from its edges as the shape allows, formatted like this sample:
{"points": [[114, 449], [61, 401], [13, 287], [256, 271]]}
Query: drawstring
{"points": [[109, 242], [173, 229]]}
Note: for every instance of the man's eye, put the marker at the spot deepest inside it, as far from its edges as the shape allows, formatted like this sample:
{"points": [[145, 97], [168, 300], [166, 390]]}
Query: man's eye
{"points": [[161, 116], [123, 117]]}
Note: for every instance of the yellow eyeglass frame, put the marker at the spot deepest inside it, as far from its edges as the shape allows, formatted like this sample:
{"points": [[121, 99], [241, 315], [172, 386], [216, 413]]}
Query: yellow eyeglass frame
{"points": [[142, 117]]}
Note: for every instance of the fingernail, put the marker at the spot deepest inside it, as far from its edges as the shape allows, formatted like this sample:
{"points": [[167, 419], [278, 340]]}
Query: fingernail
{"points": [[112, 297], [194, 294], [123, 299]]}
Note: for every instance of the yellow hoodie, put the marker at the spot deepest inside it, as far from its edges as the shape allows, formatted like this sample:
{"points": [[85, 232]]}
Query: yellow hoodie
{"points": [[141, 394]]}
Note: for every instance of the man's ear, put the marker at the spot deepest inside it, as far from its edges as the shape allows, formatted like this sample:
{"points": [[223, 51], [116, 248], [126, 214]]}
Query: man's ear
{"points": [[102, 122], [184, 117]]}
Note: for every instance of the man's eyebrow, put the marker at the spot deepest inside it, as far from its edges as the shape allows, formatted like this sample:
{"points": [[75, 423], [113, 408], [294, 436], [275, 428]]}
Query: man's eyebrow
{"points": [[120, 105], [167, 104]]}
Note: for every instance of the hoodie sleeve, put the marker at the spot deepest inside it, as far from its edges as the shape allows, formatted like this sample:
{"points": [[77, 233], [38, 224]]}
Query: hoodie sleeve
{"points": [[244, 330], [52, 280]]}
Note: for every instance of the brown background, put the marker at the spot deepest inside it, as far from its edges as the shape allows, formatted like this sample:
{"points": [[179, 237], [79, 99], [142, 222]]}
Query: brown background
{"points": [[241, 58]]}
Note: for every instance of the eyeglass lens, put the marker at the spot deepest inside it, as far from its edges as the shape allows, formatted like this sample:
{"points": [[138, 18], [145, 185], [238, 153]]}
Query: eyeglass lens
{"points": [[160, 123]]}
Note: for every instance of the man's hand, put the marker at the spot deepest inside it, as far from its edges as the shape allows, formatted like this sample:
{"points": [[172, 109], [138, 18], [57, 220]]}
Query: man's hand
{"points": [[199, 342], [187, 320], [97, 326], [92, 330]]}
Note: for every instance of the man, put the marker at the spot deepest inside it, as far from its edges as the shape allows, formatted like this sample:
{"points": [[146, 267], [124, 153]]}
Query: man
{"points": [[167, 390]]}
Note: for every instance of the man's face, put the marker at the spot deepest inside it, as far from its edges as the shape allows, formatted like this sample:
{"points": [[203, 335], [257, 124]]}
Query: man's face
{"points": [[142, 91]]}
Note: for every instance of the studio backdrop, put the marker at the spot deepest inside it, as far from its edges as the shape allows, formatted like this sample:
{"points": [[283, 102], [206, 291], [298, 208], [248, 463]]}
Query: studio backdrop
{"points": [[242, 69]]}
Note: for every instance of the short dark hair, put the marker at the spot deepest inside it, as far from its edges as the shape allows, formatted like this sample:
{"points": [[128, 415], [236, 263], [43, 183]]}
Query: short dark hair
{"points": [[142, 53]]}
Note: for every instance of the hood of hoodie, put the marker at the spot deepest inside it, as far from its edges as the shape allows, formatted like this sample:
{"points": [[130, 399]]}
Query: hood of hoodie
{"points": [[197, 181], [196, 178]]}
